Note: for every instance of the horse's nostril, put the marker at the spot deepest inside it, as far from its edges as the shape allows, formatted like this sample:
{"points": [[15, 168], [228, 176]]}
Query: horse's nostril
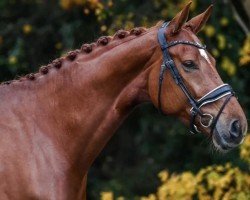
{"points": [[235, 130]]}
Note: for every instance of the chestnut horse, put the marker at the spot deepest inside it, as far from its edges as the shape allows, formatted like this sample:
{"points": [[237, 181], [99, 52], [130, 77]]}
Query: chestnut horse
{"points": [[54, 123]]}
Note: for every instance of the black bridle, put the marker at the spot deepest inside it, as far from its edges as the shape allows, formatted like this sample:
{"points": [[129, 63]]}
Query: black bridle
{"points": [[219, 92]]}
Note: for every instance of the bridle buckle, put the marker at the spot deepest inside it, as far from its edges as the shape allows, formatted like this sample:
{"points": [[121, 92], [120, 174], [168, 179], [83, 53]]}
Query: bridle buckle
{"points": [[208, 117], [169, 63]]}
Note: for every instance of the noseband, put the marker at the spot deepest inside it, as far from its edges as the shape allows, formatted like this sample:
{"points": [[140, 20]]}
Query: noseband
{"points": [[219, 92]]}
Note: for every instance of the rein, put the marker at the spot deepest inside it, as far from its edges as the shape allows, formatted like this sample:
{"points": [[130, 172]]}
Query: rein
{"points": [[196, 105]]}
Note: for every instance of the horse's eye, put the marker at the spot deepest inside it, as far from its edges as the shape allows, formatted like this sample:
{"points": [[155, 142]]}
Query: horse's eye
{"points": [[189, 64]]}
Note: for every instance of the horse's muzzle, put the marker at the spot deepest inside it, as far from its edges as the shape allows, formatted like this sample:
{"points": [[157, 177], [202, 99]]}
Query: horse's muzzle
{"points": [[226, 139]]}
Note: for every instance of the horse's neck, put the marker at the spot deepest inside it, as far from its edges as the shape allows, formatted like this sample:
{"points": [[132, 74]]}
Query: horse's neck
{"points": [[114, 87], [81, 105]]}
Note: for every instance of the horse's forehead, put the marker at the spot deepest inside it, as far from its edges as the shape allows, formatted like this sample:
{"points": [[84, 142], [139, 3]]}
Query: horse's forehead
{"points": [[202, 52]]}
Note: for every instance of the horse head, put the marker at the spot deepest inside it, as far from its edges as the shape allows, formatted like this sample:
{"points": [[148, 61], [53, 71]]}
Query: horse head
{"points": [[189, 86]]}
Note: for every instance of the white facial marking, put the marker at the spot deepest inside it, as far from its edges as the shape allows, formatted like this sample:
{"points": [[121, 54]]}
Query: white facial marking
{"points": [[204, 55]]}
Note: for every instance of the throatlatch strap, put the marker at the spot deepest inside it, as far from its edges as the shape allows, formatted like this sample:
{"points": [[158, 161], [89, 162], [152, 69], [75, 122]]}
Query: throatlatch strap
{"points": [[163, 69]]}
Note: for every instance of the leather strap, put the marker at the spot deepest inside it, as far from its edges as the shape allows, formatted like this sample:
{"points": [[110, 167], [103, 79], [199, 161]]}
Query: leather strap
{"points": [[219, 113]]}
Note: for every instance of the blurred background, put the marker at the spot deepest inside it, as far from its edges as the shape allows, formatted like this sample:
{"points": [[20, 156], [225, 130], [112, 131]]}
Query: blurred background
{"points": [[151, 157]]}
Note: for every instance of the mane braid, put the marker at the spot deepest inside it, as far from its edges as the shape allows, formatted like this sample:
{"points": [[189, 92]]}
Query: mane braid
{"points": [[71, 56]]}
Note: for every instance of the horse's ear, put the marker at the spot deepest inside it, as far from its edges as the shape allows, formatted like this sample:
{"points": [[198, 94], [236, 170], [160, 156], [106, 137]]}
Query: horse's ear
{"points": [[180, 19], [199, 21]]}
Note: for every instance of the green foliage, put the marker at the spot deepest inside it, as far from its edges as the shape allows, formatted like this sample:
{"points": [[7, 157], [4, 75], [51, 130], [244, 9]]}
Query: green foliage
{"points": [[245, 150], [33, 33]]}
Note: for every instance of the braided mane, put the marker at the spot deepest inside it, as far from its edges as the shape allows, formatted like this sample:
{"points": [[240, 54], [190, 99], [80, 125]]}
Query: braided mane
{"points": [[85, 49]]}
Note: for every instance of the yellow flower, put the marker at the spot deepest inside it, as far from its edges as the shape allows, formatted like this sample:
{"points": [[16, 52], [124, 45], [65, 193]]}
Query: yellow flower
{"points": [[209, 31], [150, 197], [65, 4], [95, 4], [27, 28], [193, 5], [245, 149], [232, 70], [221, 41], [107, 196], [12, 60], [110, 3], [245, 52], [98, 11], [219, 168], [228, 66], [86, 11], [120, 198], [224, 21], [103, 28], [244, 60], [228, 165], [215, 52], [163, 175], [183, 3]]}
